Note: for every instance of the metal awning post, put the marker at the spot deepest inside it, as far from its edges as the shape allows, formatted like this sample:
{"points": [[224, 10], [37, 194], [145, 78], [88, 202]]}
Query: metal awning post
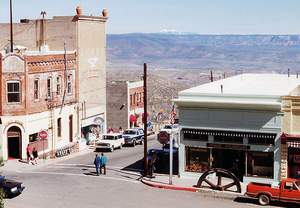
{"points": [[171, 159]]}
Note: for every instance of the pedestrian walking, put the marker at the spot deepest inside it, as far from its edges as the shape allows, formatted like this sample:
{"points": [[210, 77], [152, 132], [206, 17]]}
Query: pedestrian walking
{"points": [[28, 153], [35, 155], [97, 163], [120, 130], [110, 130], [103, 164]]}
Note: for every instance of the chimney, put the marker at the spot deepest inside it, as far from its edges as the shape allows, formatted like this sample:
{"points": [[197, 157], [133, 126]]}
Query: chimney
{"points": [[78, 11], [105, 12]]}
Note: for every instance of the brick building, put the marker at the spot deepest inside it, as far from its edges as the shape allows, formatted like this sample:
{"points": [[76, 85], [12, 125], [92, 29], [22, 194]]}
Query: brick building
{"points": [[84, 34], [125, 104], [38, 91]]}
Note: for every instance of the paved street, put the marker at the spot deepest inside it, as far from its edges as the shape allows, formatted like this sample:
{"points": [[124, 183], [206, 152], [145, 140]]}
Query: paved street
{"points": [[72, 183]]}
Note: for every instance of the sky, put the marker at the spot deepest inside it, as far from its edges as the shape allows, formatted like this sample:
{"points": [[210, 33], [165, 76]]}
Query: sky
{"points": [[195, 16]]}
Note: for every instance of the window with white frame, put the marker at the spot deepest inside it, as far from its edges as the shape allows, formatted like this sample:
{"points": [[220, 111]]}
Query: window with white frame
{"points": [[58, 85], [36, 89], [13, 92], [69, 84]]}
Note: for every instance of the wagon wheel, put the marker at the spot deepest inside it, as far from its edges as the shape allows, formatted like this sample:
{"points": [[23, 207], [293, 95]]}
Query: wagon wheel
{"points": [[220, 173]]}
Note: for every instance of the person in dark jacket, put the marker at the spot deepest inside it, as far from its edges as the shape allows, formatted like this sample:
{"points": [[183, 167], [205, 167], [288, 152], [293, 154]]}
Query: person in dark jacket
{"points": [[97, 163], [35, 155]]}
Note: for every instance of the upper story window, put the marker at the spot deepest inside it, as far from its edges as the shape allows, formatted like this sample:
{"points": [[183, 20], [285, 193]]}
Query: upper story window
{"points": [[49, 87], [69, 84], [58, 85], [36, 89], [13, 92]]}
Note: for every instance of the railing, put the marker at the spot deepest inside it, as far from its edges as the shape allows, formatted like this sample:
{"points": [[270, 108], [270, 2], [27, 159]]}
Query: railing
{"points": [[64, 151]]}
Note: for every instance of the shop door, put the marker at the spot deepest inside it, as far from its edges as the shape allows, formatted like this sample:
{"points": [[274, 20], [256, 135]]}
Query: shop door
{"points": [[14, 144], [232, 160], [71, 128]]}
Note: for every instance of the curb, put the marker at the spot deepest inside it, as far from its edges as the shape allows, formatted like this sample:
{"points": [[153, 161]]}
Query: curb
{"points": [[204, 192], [170, 187]]}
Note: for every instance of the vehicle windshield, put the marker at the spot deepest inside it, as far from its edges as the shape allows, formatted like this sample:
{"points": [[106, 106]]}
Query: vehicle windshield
{"points": [[106, 137], [168, 127], [129, 132], [298, 184]]}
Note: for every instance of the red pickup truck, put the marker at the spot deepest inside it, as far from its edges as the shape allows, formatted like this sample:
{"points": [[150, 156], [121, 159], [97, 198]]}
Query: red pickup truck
{"points": [[288, 190]]}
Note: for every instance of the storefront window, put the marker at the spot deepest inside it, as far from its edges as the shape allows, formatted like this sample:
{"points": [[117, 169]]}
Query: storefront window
{"points": [[197, 159], [260, 164], [33, 137], [294, 162]]}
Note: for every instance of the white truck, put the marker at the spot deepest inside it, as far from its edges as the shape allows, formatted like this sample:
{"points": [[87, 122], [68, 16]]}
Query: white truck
{"points": [[110, 142]]}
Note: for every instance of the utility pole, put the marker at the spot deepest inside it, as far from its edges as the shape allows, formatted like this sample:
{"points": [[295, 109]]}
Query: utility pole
{"points": [[11, 28], [145, 120]]}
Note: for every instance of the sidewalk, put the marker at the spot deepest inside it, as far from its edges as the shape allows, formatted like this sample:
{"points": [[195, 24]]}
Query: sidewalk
{"points": [[188, 184], [17, 165]]}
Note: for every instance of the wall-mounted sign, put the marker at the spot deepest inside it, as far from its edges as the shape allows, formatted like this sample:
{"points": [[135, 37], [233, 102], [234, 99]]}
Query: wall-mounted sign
{"points": [[228, 146]]}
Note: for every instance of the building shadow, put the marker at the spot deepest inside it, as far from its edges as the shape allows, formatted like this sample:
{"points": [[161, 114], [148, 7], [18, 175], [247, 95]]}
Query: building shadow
{"points": [[246, 200]]}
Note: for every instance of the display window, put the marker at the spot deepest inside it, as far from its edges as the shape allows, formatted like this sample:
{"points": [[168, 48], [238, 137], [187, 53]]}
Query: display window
{"points": [[197, 159], [260, 164]]}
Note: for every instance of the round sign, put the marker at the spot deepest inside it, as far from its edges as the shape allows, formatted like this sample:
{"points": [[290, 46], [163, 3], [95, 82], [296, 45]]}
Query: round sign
{"points": [[163, 137], [43, 134]]}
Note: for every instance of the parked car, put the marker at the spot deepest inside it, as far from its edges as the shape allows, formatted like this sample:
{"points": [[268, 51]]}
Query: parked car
{"points": [[288, 190], [110, 142], [11, 188], [162, 162], [134, 136]]}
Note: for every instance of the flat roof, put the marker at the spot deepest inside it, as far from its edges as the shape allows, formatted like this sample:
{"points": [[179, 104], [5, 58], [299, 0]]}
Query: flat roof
{"points": [[249, 91], [249, 84]]}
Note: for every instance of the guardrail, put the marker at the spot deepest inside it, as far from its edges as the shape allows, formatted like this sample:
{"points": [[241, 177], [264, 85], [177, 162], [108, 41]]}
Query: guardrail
{"points": [[64, 151]]}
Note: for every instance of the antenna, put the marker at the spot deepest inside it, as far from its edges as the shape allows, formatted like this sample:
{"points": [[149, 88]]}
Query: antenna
{"points": [[211, 76]]}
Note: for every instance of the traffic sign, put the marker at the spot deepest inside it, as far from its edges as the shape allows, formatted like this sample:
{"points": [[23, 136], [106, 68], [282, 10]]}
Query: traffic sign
{"points": [[43, 134]]}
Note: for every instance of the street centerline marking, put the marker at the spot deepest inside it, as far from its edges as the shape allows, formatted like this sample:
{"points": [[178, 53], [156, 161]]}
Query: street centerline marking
{"points": [[80, 175]]}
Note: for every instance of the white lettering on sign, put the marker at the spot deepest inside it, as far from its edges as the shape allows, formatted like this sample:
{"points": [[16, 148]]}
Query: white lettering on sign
{"points": [[93, 62]]}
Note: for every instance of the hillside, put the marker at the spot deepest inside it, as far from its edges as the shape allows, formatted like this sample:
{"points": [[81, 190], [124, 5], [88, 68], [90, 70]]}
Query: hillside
{"points": [[191, 51]]}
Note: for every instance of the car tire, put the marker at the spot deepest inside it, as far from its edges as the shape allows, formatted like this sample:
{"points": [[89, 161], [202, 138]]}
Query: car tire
{"points": [[112, 149], [263, 199], [133, 143]]}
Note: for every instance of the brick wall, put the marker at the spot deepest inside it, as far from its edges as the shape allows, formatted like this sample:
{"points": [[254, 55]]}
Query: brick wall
{"points": [[40, 67], [117, 95]]}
